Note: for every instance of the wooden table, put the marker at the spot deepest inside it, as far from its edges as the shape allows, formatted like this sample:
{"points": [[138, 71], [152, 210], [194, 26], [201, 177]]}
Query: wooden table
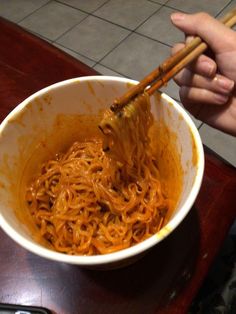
{"points": [[166, 279]]}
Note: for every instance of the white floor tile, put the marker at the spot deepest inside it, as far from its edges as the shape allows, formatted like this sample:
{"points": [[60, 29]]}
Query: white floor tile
{"points": [[85, 5], [76, 55], [16, 10], [136, 56], [159, 27], [127, 13], [93, 37], [119, 52], [223, 144], [105, 71], [53, 20], [192, 6]]}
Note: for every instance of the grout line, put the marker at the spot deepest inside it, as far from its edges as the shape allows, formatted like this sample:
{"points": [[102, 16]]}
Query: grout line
{"points": [[108, 21], [158, 41], [38, 35], [179, 10], [71, 28], [131, 32], [120, 73], [201, 124], [85, 12], [134, 31], [105, 20], [158, 2], [54, 40], [225, 7], [97, 63], [170, 7], [90, 13], [53, 43], [34, 12], [80, 54], [115, 47], [161, 6]]}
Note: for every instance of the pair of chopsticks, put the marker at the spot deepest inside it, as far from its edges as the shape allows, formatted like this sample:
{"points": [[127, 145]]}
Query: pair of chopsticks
{"points": [[170, 67]]}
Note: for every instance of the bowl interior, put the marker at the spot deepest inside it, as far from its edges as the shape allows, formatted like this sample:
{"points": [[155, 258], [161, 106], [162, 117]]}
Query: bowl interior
{"points": [[52, 119]]}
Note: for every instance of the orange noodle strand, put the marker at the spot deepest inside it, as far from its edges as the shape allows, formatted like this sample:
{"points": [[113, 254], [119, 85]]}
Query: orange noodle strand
{"points": [[102, 195]]}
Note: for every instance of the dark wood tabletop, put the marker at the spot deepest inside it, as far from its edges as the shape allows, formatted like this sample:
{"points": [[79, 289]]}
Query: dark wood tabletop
{"points": [[165, 280]]}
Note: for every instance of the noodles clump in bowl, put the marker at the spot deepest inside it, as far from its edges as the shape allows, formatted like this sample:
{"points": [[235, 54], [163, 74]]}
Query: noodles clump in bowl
{"points": [[104, 194]]}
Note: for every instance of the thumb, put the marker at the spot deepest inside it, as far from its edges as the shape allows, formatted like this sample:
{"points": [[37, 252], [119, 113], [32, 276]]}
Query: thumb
{"points": [[219, 37]]}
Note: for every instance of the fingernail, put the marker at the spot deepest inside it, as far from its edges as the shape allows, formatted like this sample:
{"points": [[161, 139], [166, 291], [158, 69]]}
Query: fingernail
{"points": [[209, 68], [177, 16], [221, 99], [226, 84]]}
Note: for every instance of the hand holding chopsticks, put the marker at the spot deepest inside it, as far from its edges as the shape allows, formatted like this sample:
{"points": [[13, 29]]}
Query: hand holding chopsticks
{"points": [[170, 67]]}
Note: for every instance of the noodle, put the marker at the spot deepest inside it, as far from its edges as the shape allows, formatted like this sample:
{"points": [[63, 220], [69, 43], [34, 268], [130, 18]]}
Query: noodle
{"points": [[103, 194]]}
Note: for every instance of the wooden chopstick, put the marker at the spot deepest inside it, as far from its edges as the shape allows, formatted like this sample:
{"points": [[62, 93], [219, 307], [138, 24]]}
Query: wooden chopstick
{"points": [[170, 67]]}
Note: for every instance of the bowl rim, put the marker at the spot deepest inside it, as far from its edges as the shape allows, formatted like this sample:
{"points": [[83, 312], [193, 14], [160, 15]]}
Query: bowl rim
{"points": [[133, 250]]}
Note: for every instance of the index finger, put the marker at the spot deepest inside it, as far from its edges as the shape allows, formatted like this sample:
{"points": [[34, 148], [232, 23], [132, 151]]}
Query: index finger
{"points": [[219, 37], [203, 65]]}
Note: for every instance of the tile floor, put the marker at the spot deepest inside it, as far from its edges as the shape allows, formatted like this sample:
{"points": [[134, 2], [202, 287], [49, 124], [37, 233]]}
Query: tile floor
{"points": [[118, 37]]}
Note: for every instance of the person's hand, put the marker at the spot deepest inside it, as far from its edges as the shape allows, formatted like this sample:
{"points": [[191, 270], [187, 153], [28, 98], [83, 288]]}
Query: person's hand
{"points": [[207, 86]]}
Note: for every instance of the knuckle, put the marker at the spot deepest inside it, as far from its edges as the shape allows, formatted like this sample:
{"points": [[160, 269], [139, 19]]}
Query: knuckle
{"points": [[186, 77], [201, 21], [177, 79], [183, 93], [206, 66], [176, 48], [202, 16], [204, 93]]}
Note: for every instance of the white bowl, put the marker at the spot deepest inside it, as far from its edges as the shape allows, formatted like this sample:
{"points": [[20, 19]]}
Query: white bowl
{"points": [[40, 120]]}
